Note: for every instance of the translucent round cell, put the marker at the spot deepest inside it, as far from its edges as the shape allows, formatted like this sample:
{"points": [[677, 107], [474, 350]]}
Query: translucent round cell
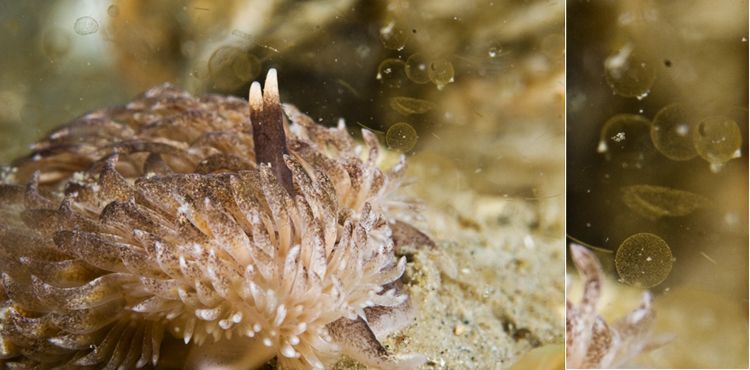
{"points": [[406, 105], [672, 132], [717, 139], [440, 73], [401, 136], [230, 67], [625, 138], [113, 10], [391, 73], [417, 68], [643, 260], [55, 43], [85, 25], [393, 37], [654, 202], [628, 75]]}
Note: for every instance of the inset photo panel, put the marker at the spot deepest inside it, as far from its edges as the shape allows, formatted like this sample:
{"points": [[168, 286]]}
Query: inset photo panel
{"points": [[282, 184], [657, 184]]}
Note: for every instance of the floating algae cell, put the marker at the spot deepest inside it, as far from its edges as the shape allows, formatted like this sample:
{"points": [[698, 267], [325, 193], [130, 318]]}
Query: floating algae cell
{"points": [[393, 37], [230, 67], [417, 68], [671, 133], [628, 75], [440, 73], [401, 136], [625, 137], [406, 105], [391, 72], [113, 10], [85, 25], [717, 139], [654, 202], [643, 260]]}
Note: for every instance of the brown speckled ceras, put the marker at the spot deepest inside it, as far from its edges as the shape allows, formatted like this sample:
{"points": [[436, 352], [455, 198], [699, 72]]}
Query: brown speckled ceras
{"points": [[244, 235], [590, 342]]}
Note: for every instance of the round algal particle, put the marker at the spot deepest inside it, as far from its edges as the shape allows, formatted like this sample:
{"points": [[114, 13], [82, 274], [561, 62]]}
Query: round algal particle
{"points": [[393, 37], [401, 136], [85, 25], [391, 73], [672, 132], [717, 139], [625, 138], [113, 10], [440, 73], [628, 75], [230, 67], [417, 68], [643, 260]]}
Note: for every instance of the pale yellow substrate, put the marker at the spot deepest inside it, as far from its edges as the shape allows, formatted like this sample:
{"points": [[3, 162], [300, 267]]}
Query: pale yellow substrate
{"points": [[493, 276]]}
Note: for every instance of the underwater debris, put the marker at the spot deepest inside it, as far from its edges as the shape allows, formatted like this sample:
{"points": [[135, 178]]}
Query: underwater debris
{"points": [[441, 73], [417, 68], [654, 202], [625, 138], [671, 132], [717, 139], [406, 105], [590, 341], [628, 75], [393, 37], [247, 238], [391, 72], [85, 26], [401, 136]]}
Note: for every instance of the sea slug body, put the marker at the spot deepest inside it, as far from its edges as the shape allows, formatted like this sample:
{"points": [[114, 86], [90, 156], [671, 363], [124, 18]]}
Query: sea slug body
{"points": [[246, 236]]}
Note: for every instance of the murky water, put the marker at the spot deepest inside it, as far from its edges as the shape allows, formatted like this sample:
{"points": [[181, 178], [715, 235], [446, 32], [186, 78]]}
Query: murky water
{"points": [[657, 163]]}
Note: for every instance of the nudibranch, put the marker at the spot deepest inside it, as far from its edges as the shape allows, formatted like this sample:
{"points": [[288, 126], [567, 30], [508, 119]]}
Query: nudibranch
{"points": [[247, 236], [590, 341]]}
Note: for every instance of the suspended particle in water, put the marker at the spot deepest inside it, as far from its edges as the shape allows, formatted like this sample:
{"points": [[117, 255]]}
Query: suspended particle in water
{"points": [[391, 72], [407, 106], [441, 73], [85, 25], [401, 136], [230, 67], [417, 68], [671, 132], [654, 202], [56, 43], [643, 260], [393, 37], [717, 139], [625, 138], [628, 75], [494, 51], [113, 10]]}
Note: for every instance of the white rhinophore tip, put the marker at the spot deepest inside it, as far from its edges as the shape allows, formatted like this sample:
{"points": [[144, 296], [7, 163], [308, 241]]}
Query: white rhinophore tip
{"points": [[271, 88], [256, 97]]}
